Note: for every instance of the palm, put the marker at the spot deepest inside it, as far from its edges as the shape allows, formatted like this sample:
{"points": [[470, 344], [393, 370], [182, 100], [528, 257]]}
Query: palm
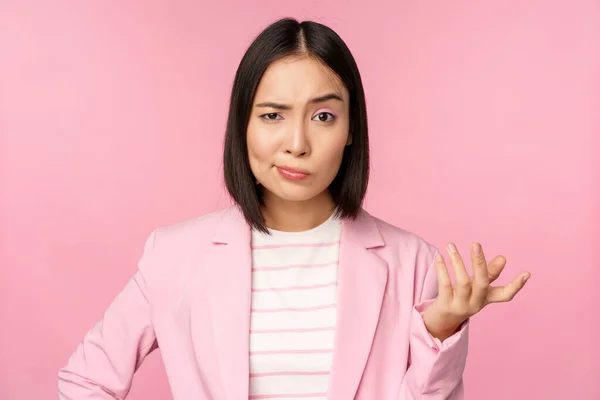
{"points": [[471, 293]]}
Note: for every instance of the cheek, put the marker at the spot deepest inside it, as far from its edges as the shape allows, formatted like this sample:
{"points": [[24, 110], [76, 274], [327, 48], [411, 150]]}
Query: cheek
{"points": [[332, 150], [261, 147]]}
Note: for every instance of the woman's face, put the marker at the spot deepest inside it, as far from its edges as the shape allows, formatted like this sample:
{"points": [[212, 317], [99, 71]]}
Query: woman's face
{"points": [[298, 128]]}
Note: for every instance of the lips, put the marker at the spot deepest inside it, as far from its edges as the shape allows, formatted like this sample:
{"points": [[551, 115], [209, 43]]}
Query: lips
{"points": [[293, 173], [294, 170]]}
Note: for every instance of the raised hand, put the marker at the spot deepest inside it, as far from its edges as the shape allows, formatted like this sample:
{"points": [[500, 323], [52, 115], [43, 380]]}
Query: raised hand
{"points": [[456, 303]]}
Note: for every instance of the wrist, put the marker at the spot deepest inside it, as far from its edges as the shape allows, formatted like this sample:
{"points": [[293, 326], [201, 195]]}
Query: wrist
{"points": [[439, 328]]}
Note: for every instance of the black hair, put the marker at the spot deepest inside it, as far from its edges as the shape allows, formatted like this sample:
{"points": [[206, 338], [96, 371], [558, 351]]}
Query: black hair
{"points": [[288, 37]]}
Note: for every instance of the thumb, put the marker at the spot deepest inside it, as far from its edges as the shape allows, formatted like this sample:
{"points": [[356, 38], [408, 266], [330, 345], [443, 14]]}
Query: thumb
{"points": [[506, 293]]}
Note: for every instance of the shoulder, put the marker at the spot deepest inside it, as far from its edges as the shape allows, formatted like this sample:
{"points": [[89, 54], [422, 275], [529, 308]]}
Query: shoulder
{"points": [[403, 248], [186, 235], [168, 247], [196, 228], [398, 237]]}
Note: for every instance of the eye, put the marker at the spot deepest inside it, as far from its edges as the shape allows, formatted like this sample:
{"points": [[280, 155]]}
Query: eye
{"points": [[270, 116], [324, 117]]}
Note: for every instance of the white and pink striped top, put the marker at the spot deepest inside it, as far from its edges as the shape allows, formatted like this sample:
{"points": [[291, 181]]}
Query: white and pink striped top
{"points": [[292, 326]]}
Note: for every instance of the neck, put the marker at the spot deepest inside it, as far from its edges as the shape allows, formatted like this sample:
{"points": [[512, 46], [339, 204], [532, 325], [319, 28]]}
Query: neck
{"points": [[296, 216]]}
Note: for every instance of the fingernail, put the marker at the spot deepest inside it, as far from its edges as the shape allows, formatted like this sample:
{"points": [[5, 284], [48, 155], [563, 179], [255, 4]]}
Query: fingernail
{"points": [[476, 248], [452, 247], [438, 257], [525, 278]]}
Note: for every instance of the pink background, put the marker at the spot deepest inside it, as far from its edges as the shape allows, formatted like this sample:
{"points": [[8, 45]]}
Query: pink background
{"points": [[484, 125]]}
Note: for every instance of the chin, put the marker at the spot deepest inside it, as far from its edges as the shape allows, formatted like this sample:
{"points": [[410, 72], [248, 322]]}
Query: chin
{"points": [[295, 193]]}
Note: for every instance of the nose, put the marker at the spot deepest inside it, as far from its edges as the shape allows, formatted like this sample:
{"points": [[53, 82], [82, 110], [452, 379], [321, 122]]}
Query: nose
{"points": [[297, 143]]}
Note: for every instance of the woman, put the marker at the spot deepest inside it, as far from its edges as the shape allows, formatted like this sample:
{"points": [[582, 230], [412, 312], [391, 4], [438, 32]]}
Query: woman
{"points": [[296, 291]]}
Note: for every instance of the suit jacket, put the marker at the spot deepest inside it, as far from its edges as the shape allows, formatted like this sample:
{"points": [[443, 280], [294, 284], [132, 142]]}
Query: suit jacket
{"points": [[190, 297]]}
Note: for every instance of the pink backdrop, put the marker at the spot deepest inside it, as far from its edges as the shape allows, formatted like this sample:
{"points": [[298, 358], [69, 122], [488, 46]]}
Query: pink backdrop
{"points": [[484, 124]]}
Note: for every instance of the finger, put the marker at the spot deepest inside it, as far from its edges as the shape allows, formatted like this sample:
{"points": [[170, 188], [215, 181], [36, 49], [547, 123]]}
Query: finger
{"points": [[495, 267], [481, 280], [463, 281], [506, 293], [444, 282]]}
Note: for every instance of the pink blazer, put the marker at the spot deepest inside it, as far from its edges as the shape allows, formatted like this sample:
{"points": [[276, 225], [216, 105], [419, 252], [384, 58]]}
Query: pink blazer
{"points": [[190, 297]]}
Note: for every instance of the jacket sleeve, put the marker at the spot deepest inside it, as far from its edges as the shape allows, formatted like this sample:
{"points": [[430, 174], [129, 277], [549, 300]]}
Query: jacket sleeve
{"points": [[104, 362], [435, 369]]}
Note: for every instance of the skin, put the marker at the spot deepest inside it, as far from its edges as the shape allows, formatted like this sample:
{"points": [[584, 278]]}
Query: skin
{"points": [[306, 134], [300, 119], [456, 303]]}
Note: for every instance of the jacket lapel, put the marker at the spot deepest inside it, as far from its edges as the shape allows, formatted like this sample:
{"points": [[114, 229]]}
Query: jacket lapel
{"points": [[229, 289], [362, 280]]}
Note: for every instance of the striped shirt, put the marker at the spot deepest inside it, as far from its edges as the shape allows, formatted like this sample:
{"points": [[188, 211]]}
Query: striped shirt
{"points": [[293, 316]]}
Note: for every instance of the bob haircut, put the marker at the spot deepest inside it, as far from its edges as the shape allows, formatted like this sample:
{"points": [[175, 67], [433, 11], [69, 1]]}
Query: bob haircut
{"points": [[288, 37]]}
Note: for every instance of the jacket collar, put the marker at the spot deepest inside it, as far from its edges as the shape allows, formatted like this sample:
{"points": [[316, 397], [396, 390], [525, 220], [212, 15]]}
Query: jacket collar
{"points": [[362, 230]]}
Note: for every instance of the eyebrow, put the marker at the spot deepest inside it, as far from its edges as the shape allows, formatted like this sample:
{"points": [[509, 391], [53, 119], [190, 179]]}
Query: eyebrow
{"points": [[320, 99]]}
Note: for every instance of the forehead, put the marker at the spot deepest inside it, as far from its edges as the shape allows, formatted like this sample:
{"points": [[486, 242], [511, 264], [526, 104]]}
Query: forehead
{"points": [[298, 79]]}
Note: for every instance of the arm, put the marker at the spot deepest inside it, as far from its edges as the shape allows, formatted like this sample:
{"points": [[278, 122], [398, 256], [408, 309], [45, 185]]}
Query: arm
{"points": [[436, 368], [103, 364]]}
